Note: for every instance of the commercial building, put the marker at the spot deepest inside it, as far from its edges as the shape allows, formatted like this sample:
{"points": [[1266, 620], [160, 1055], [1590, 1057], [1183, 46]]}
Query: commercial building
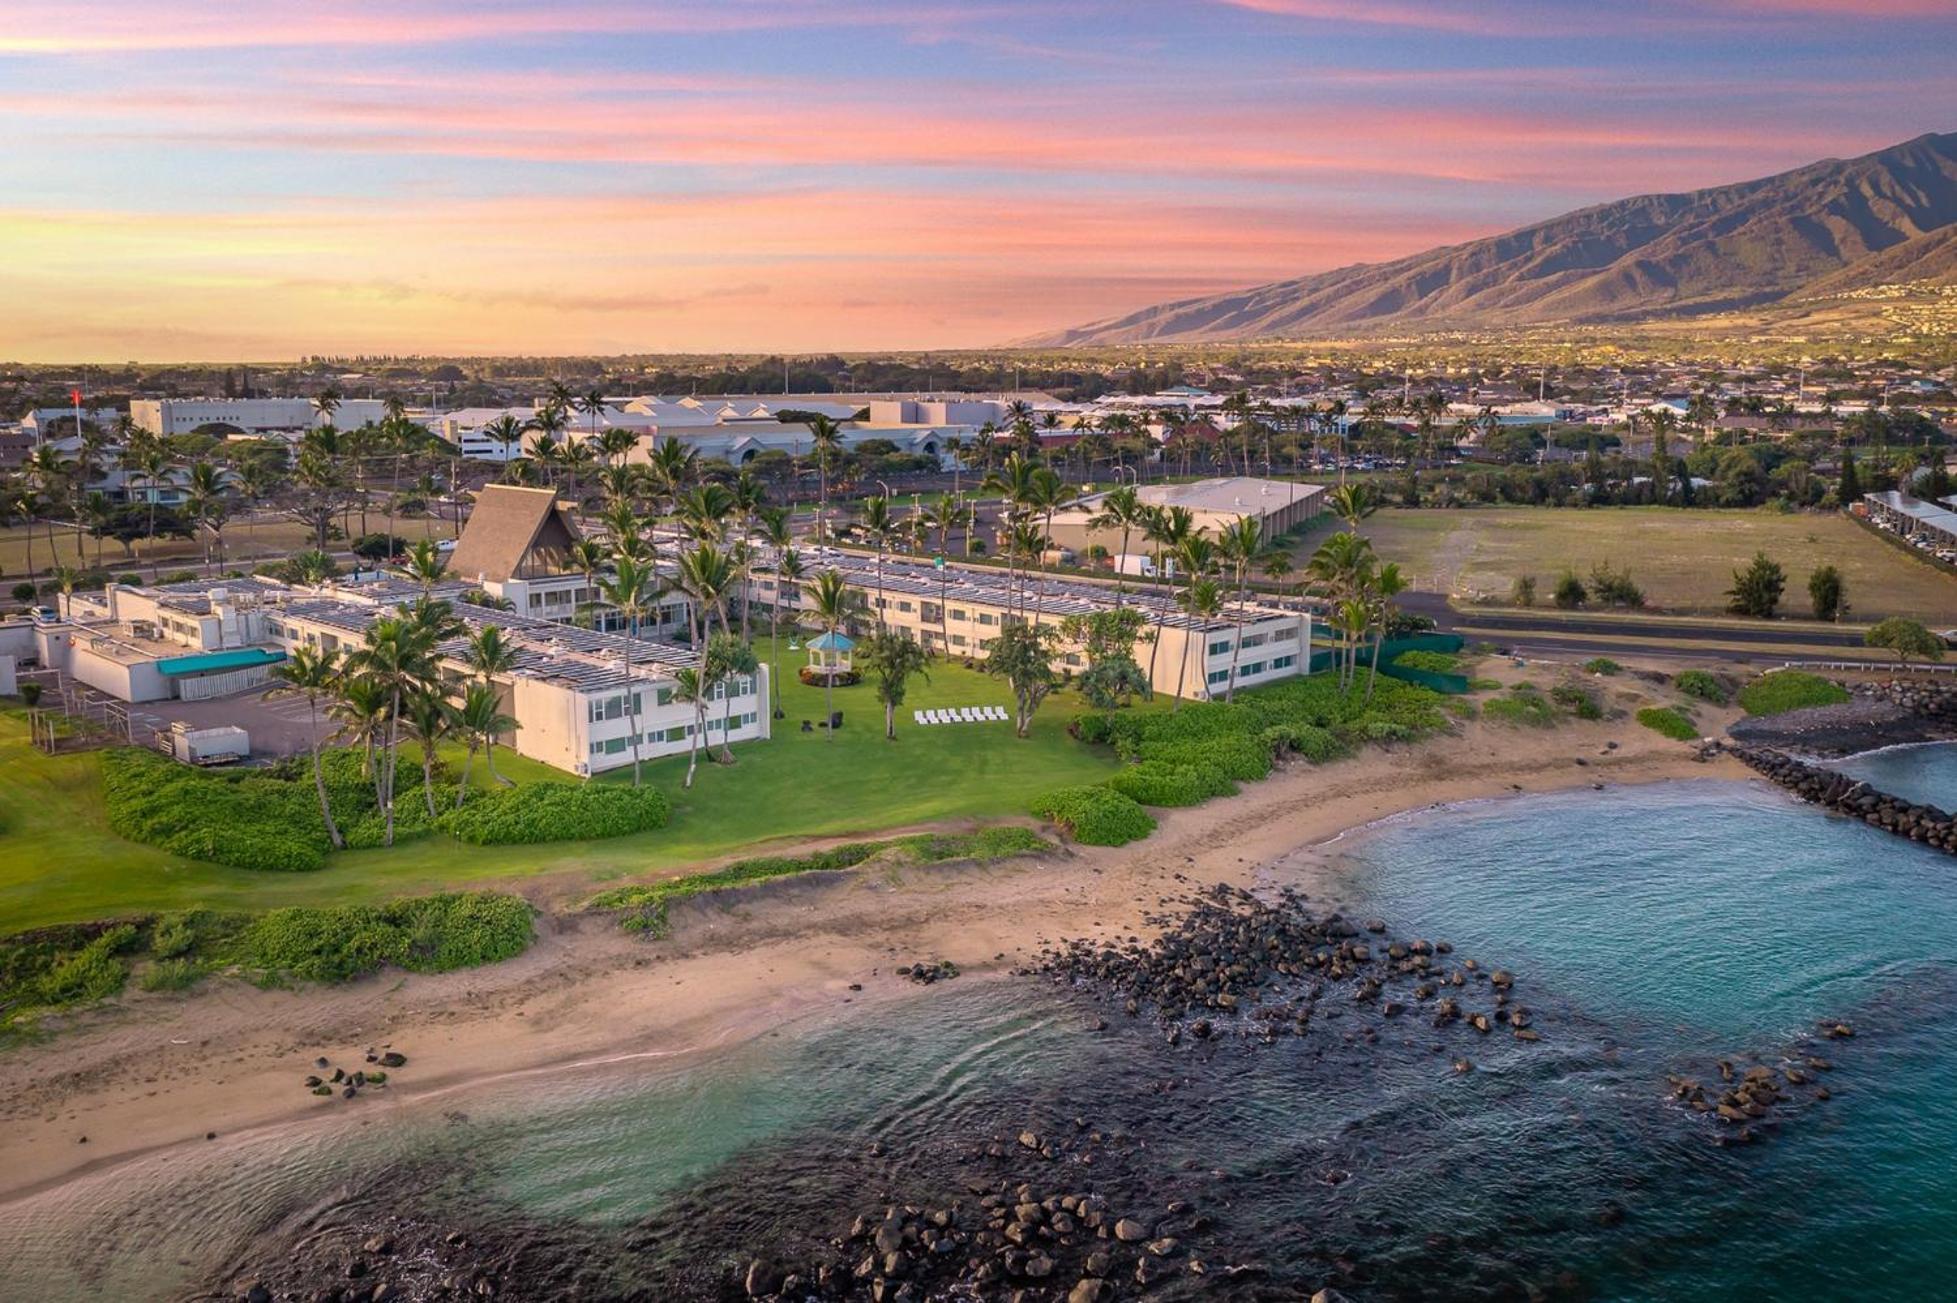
{"points": [[1278, 506], [170, 416]]}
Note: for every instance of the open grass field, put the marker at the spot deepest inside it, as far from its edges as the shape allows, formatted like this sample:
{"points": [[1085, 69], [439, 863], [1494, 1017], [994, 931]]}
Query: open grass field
{"points": [[60, 863], [245, 542], [1683, 559]]}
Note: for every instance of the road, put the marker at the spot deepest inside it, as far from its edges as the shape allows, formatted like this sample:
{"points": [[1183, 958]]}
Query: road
{"points": [[1633, 635]]}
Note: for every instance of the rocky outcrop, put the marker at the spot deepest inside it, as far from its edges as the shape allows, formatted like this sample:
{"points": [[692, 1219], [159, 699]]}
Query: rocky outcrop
{"points": [[1854, 798]]}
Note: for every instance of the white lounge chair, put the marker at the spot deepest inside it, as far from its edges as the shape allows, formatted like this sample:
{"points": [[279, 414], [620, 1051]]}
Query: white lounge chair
{"points": [[968, 715], [999, 713], [918, 716], [931, 717]]}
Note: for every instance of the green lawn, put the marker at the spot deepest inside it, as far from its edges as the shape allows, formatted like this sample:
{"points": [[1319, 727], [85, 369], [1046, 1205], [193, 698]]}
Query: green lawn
{"points": [[60, 863]]}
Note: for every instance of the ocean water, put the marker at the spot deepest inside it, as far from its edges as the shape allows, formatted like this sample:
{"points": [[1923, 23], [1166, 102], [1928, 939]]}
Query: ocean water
{"points": [[1926, 772], [1652, 930]]}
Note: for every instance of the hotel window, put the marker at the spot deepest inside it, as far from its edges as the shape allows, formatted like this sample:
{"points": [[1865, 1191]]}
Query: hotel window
{"points": [[958, 640], [958, 613], [1219, 676], [904, 606], [1253, 640], [1285, 635], [676, 734], [1283, 662], [1255, 667], [616, 745], [1218, 648], [987, 618]]}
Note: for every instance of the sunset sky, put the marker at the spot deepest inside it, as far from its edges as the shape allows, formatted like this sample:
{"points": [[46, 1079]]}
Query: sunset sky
{"points": [[259, 179]]}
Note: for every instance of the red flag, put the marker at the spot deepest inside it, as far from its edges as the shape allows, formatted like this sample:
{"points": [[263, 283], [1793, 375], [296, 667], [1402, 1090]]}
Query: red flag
{"points": [[75, 395]]}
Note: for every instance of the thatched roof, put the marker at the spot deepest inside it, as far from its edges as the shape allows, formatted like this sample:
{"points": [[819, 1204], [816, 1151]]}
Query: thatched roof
{"points": [[513, 533]]}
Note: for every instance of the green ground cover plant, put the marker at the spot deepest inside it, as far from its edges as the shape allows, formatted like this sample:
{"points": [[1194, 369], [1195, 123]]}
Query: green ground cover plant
{"points": [[1785, 690], [1670, 722], [1702, 685], [1095, 815]]}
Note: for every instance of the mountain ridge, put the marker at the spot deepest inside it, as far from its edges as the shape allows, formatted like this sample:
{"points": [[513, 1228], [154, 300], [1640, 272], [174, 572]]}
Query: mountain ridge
{"points": [[1720, 248]]}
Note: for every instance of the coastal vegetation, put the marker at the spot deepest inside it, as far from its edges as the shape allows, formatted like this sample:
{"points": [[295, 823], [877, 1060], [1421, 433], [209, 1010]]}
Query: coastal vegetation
{"points": [[1095, 815], [1670, 722], [1784, 690], [268, 819], [1703, 685], [642, 907], [72, 965]]}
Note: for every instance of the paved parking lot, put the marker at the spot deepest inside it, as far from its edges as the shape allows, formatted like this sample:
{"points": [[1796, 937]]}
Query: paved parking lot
{"points": [[278, 727]]}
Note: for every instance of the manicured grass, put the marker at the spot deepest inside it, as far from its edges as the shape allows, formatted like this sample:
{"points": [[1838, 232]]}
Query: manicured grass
{"points": [[1682, 558], [60, 863], [1785, 690]]}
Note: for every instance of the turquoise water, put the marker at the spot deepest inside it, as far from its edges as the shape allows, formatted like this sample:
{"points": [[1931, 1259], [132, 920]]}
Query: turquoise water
{"points": [[1926, 773], [1652, 930], [1703, 919]]}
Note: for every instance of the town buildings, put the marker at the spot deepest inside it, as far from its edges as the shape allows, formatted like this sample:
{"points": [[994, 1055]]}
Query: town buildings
{"points": [[1278, 506], [173, 416]]}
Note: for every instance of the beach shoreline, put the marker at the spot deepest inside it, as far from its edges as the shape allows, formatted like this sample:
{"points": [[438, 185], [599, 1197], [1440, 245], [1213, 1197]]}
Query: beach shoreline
{"points": [[152, 1073]]}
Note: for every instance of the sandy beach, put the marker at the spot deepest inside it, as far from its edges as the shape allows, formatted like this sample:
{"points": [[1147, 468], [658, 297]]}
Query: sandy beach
{"points": [[151, 1072]]}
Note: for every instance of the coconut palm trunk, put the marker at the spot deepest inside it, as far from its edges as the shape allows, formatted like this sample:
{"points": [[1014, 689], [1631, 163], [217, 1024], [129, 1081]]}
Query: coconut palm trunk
{"points": [[319, 775]]}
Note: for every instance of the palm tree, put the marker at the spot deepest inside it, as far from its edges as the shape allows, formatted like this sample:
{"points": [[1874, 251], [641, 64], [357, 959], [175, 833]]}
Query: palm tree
{"points": [[430, 719], [1203, 601], [313, 674], [505, 430], [829, 604], [426, 565], [1338, 569], [690, 688], [1238, 546], [480, 718], [359, 708], [879, 526], [706, 576], [1352, 503], [209, 505], [1387, 584], [729, 658], [1047, 492], [396, 655], [489, 654], [632, 588], [704, 510], [1167, 529], [826, 441], [1121, 509]]}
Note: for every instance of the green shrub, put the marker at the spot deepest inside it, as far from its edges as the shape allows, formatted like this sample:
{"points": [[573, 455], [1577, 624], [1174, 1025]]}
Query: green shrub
{"points": [[247, 821], [1523, 705], [1784, 690], [1242, 759], [424, 934], [1431, 661], [1096, 816], [1485, 685], [551, 812], [1157, 782], [173, 935], [94, 972], [1602, 665], [1700, 684], [1578, 700], [1093, 727], [1672, 723], [171, 975]]}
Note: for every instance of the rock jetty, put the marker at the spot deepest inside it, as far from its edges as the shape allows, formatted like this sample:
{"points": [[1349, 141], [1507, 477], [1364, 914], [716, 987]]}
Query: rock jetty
{"points": [[1231, 963], [1854, 798]]}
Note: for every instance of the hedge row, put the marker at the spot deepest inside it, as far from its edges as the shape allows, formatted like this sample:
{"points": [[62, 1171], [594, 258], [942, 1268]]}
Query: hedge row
{"points": [[1158, 782], [251, 821], [1096, 815], [269, 819], [556, 812], [424, 934]]}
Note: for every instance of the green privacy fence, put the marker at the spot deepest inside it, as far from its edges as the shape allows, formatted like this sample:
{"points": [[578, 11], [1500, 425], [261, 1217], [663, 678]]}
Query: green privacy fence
{"points": [[1449, 643]]}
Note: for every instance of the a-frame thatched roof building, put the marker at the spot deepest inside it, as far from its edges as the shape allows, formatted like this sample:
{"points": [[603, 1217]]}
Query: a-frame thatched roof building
{"points": [[514, 533]]}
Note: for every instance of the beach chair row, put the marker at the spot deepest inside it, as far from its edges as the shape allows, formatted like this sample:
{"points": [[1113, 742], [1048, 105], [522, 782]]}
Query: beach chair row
{"points": [[962, 715]]}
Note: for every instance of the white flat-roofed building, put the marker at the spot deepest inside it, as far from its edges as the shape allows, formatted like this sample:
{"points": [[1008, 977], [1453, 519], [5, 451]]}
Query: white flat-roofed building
{"points": [[1278, 506], [171, 416]]}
